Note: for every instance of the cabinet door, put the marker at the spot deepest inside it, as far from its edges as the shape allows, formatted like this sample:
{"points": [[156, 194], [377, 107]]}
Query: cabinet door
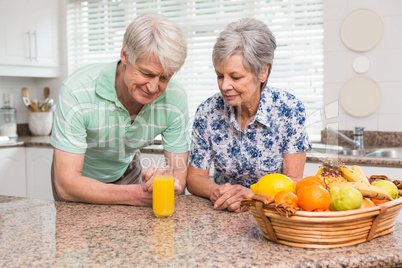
{"points": [[29, 38], [14, 42], [38, 164], [44, 38], [12, 172]]}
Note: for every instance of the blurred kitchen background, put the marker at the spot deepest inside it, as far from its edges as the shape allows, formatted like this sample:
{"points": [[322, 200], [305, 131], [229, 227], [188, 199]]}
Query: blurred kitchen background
{"points": [[381, 62]]}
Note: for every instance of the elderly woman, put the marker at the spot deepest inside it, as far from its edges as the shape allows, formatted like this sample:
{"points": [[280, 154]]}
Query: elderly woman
{"points": [[249, 129]]}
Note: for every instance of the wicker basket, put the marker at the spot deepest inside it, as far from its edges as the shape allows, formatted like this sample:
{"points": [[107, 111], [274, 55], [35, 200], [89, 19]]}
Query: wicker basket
{"points": [[322, 229]]}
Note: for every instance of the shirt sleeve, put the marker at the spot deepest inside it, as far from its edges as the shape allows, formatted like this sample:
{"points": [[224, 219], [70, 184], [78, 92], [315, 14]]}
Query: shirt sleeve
{"points": [[68, 132], [296, 137], [200, 152], [175, 138]]}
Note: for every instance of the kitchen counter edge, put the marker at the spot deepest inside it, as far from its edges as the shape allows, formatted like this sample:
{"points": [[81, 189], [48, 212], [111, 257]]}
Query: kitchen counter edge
{"points": [[44, 141]]}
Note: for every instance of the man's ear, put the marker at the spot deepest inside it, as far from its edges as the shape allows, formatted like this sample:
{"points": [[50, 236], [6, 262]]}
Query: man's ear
{"points": [[264, 74], [123, 55]]}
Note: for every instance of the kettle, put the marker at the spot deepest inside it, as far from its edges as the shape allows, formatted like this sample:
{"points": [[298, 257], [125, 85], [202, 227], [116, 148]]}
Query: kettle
{"points": [[8, 123]]}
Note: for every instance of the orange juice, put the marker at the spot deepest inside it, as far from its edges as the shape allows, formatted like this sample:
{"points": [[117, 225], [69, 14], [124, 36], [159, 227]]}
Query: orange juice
{"points": [[163, 195]]}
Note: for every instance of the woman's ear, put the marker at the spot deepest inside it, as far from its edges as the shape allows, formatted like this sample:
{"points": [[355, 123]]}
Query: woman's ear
{"points": [[264, 74]]}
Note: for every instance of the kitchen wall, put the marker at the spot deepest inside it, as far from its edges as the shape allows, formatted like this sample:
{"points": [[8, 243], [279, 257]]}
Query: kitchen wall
{"points": [[384, 58], [35, 85], [385, 61]]}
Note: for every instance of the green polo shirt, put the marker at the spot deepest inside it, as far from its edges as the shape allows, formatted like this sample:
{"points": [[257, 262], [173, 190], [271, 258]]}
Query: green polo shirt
{"points": [[90, 120]]}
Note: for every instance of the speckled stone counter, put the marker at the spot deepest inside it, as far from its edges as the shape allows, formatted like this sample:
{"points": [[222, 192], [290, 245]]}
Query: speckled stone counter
{"points": [[35, 141], [38, 233], [357, 160]]}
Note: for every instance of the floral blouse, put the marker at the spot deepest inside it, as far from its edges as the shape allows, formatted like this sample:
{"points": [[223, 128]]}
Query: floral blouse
{"points": [[243, 157]]}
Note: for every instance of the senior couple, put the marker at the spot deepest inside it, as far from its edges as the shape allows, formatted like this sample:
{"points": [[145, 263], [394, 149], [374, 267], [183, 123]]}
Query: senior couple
{"points": [[107, 112]]}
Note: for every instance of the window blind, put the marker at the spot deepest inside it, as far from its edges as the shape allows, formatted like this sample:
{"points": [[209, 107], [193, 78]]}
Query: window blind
{"points": [[95, 32]]}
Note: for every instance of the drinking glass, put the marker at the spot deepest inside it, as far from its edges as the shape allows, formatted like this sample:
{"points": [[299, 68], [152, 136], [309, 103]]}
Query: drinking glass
{"points": [[163, 192]]}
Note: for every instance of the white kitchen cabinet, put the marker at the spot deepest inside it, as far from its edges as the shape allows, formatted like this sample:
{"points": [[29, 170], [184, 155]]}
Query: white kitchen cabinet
{"points": [[12, 171], [29, 38], [310, 169], [38, 164]]}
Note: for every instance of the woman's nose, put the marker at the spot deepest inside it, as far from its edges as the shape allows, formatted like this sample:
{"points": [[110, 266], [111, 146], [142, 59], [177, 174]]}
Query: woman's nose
{"points": [[226, 84]]}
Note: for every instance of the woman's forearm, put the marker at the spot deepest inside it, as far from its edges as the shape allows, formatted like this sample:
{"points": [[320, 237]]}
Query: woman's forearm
{"points": [[199, 183]]}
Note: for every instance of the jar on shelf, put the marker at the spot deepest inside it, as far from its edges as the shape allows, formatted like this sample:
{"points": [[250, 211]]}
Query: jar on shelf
{"points": [[8, 122]]}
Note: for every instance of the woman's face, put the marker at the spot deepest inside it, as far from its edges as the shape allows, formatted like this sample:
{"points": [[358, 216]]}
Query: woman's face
{"points": [[238, 84]]}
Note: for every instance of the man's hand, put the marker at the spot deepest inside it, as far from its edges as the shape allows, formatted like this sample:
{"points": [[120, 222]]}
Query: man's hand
{"points": [[147, 178], [147, 182], [229, 196]]}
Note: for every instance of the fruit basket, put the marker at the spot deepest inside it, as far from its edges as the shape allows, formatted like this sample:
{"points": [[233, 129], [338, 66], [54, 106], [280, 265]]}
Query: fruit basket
{"points": [[328, 229]]}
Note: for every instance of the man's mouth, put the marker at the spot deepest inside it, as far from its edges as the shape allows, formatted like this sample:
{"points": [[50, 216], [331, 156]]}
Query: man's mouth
{"points": [[146, 93]]}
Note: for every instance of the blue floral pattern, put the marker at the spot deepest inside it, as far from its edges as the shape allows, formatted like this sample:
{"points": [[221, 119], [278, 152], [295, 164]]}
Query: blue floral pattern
{"points": [[243, 157]]}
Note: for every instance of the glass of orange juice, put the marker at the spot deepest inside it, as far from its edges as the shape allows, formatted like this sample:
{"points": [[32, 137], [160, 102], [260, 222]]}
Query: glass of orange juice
{"points": [[163, 191]]}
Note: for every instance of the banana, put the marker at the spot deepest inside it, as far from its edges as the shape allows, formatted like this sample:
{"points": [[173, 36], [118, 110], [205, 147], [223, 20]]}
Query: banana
{"points": [[366, 190], [353, 176], [358, 170]]}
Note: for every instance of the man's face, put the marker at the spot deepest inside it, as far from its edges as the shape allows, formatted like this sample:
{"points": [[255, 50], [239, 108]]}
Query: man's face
{"points": [[146, 80]]}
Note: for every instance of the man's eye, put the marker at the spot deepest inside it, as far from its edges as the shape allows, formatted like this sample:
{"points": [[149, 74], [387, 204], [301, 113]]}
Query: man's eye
{"points": [[164, 78], [236, 78], [219, 77], [148, 75]]}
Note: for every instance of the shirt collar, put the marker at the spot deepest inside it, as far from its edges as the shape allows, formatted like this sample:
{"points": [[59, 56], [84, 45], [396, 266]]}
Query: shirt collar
{"points": [[264, 112], [105, 84]]}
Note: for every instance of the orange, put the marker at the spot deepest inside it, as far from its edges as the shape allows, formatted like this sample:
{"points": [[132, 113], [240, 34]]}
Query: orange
{"points": [[366, 203], [314, 198], [377, 201], [308, 181], [287, 198]]}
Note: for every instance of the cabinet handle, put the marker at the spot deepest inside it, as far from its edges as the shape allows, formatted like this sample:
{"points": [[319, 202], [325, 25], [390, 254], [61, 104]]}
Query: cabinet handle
{"points": [[29, 45], [35, 46]]}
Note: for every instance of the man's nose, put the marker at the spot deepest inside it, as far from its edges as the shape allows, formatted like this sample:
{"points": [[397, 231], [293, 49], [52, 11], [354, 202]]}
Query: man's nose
{"points": [[153, 85]]}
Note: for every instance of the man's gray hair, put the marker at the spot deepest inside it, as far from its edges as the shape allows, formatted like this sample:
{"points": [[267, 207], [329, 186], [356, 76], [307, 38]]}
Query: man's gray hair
{"points": [[155, 35], [250, 38]]}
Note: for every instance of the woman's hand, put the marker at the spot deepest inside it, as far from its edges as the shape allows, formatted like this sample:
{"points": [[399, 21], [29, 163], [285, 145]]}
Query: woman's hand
{"points": [[229, 196]]}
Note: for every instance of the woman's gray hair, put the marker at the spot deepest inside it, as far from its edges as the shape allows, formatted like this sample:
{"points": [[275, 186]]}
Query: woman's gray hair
{"points": [[249, 37], [155, 35]]}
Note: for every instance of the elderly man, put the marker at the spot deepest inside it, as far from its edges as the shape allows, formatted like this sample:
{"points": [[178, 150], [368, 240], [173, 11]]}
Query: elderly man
{"points": [[107, 112]]}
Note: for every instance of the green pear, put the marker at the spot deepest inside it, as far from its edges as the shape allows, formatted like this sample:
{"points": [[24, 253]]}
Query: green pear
{"points": [[387, 186], [345, 198]]}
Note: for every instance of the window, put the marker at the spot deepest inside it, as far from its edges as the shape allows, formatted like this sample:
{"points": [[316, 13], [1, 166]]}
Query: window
{"points": [[95, 32]]}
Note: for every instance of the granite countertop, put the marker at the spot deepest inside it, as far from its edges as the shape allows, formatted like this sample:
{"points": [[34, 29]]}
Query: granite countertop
{"points": [[359, 160], [44, 141], [43, 233]]}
